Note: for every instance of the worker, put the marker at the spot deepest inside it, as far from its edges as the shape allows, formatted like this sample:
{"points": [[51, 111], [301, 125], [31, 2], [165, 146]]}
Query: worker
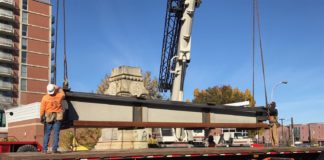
{"points": [[211, 142], [51, 114], [273, 122], [152, 142]]}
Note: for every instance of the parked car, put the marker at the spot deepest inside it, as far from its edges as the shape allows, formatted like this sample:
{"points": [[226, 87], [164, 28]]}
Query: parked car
{"points": [[240, 141]]}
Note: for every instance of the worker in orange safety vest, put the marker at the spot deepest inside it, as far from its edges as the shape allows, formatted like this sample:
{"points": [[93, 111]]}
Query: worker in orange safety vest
{"points": [[51, 114]]}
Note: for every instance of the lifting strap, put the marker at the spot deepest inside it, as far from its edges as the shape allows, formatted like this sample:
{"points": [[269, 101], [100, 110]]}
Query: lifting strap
{"points": [[253, 48], [65, 83], [56, 35], [256, 15]]}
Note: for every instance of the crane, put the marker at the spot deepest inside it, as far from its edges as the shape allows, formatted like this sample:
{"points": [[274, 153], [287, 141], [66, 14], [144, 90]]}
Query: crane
{"points": [[176, 46], [175, 58]]}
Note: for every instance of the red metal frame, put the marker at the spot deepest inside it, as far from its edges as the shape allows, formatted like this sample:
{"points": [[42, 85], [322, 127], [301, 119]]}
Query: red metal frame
{"points": [[5, 146]]}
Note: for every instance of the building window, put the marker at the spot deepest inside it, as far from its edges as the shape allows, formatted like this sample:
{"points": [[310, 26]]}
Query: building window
{"points": [[24, 30], [23, 43], [23, 71], [24, 17], [7, 79], [2, 118], [25, 4], [23, 57], [23, 85], [296, 132]]}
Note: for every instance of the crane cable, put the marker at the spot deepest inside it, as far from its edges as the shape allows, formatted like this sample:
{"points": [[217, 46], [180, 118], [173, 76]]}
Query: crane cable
{"points": [[256, 5], [253, 48], [65, 83], [56, 35], [262, 57], [256, 14]]}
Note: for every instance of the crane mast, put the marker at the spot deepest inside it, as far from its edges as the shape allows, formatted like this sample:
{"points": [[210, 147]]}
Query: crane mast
{"points": [[183, 54], [176, 46]]}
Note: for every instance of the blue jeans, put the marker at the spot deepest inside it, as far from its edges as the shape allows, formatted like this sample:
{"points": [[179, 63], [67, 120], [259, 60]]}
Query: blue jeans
{"points": [[48, 127]]}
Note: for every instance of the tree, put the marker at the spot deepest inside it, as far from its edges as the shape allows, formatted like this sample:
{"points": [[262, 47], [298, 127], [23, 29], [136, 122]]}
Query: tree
{"points": [[103, 86], [151, 85], [222, 95], [87, 137]]}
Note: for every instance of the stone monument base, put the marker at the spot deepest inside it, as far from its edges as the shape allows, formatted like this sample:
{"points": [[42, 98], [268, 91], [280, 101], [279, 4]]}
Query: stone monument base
{"points": [[112, 138]]}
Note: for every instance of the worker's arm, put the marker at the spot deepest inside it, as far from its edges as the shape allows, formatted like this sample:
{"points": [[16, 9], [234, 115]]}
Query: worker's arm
{"points": [[42, 109], [60, 91]]}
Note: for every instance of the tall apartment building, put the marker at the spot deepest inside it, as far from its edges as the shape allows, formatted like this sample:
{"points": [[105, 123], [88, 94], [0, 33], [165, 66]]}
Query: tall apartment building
{"points": [[25, 50]]}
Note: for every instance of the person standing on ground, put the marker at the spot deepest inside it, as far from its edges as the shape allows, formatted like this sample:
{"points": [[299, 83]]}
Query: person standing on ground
{"points": [[273, 122], [152, 142], [211, 142], [51, 113]]}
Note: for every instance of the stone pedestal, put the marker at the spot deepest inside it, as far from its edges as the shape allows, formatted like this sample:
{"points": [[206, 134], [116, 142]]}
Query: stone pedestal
{"points": [[126, 81], [112, 138]]}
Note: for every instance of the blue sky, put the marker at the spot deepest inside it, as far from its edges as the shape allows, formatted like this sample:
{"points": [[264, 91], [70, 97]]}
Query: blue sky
{"points": [[104, 34]]}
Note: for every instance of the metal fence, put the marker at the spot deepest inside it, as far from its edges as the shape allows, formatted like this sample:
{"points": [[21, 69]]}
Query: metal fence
{"points": [[5, 69], [8, 2], [7, 14], [6, 28], [6, 55], [6, 41]]}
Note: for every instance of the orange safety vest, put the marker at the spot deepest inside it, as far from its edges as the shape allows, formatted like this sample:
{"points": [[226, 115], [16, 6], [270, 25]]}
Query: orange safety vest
{"points": [[52, 103]]}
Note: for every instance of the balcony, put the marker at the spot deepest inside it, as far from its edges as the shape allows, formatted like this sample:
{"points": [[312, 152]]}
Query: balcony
{"points": [[7, 3], [6, 57], [6, 71], [53, 68], [7, 15], [53, 31], [5, 100], [53, 19], [53, 56], [6, 86], [7, 29], [6, 43]]}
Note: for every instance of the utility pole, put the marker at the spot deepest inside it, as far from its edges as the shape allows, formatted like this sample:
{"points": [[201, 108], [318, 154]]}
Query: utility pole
{"points": [[309, 133], [292, 131], [282, 128]]}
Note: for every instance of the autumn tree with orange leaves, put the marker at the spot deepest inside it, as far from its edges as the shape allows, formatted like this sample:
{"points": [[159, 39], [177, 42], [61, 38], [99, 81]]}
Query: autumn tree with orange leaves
{"points": [[222, 95], [103, 86]]}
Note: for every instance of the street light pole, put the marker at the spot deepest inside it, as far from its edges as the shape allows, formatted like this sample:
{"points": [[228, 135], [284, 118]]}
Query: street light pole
{"points": [[275, 86], [292, 131]]}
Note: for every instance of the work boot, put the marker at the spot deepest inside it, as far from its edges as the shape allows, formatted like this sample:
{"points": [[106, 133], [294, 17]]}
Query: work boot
{"points": [[56, 152]]}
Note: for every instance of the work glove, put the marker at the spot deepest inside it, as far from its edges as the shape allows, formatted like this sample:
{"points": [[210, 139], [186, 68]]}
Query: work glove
{"points": [[66, 85], [42, 119]]}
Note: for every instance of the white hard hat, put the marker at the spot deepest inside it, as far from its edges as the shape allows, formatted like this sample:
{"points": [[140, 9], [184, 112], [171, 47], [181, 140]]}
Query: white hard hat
{"points": [[50, 89]]}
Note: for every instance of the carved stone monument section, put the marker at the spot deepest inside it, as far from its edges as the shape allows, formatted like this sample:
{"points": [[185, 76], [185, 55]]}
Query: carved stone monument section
{"points": [[126, 81]]}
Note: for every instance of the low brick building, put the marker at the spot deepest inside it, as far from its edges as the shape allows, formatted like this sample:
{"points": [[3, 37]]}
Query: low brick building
{"points": [[24, 124], [311, 133]]}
